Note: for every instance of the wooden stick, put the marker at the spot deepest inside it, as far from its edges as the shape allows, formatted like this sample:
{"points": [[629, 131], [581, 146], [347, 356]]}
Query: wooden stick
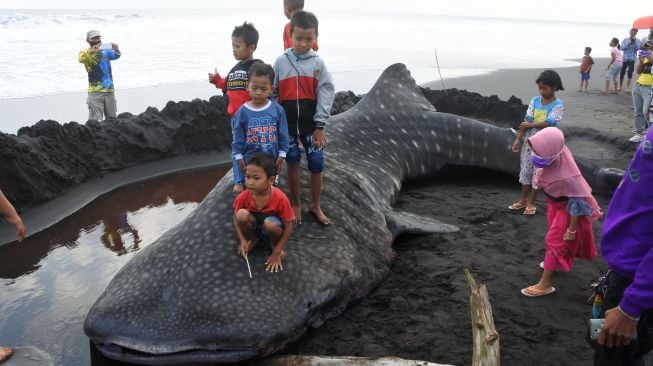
{"points": [[248, 268], [485, 341]]}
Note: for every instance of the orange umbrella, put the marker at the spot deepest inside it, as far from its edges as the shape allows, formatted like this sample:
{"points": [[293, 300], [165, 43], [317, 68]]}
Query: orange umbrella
{"points": [[643, 22]]}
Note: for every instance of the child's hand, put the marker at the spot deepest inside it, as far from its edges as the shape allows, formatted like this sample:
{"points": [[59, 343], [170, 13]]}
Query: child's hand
{"points": [[20, 227], [279, 163], [319, 138], [516, 146], [525, 126], [273, 264], [243, 248], [213, 75], [570, 235], [241, 165]]}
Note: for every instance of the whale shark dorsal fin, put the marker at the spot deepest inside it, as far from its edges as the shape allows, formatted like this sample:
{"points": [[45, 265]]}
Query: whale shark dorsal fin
{"points": [[395, 90], [400, 222]]}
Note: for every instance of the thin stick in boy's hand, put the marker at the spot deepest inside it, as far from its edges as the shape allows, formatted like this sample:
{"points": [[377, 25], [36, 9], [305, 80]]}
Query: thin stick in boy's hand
{"points": [[249, 269]]}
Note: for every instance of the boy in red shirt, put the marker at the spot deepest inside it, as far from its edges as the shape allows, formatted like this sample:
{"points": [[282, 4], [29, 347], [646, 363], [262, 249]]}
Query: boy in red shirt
{"points": [[244, 39], [289, 7], [263, 212], [585, 68]]}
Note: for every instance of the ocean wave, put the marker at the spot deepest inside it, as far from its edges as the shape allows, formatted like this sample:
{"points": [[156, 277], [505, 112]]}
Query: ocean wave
{"points": [[28, 20]]}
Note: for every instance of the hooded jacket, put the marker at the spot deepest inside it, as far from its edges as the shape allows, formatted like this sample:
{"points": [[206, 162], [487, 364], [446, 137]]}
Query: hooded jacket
{"points": [[304, 88]]}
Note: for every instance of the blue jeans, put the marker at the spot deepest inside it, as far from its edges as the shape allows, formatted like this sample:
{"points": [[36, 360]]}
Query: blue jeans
{"points": [[641, 102]]}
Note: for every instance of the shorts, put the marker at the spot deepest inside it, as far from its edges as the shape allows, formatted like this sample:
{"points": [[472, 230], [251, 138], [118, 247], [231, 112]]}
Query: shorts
{"points": [[584, 76], [613, 72], [259, 227], [314, 155]]}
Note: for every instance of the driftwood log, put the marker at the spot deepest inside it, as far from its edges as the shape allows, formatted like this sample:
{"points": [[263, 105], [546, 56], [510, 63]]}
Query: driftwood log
{"points": [[486, 337], [341, 361]]}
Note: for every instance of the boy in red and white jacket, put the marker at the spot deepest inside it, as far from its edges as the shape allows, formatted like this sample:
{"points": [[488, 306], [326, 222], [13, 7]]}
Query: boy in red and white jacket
{"points": [[305, 90]]}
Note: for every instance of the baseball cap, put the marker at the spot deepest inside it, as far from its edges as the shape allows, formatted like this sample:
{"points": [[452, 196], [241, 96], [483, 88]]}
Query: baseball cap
{"points": [[92, 33], [648, 44]]}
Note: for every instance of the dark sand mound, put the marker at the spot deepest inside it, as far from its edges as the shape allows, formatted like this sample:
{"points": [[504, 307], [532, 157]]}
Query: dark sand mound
{"points": [[43, 161]]}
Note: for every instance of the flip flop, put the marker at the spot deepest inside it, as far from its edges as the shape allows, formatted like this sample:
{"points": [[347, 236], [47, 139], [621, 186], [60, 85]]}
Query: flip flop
{"points": [[5, 353], [530, 211], [517, 206], [532, 291]]}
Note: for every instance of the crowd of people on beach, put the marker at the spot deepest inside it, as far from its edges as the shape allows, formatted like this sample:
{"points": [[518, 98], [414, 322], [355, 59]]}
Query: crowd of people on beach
{"points": [[627, 57], [279, 112]]}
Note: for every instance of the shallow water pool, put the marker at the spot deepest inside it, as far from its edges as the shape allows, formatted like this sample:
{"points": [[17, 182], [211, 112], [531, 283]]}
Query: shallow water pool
{"points": [[50, 280]]}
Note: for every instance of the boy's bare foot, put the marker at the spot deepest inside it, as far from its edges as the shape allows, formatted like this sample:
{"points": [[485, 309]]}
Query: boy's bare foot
{"points": [[297, 210], [238, 189], [319, 215], [5, 353]]}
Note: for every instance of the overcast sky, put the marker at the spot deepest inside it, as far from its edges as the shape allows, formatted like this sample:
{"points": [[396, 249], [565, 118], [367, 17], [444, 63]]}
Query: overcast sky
{"points": [[600, 11]]}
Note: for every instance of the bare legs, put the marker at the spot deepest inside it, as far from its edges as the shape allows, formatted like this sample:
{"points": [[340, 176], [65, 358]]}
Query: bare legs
{"points": [[293, 181], [526, 199], [316, 193]]}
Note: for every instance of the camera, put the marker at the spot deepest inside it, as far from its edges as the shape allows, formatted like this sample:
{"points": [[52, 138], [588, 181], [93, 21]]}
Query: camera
{"points": [[644, 53]]}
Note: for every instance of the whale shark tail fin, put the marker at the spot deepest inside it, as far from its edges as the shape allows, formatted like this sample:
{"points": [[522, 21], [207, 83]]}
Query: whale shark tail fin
{"points": [[400, 222], [395, 90]]}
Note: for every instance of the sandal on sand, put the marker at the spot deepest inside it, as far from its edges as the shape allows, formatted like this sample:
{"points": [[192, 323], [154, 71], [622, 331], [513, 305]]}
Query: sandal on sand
{"points": [[5, 353], [530, 211], [532, 291], [517, 206]]}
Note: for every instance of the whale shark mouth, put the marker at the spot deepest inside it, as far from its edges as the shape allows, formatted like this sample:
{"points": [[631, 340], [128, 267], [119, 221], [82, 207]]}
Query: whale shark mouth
{"points": [[189, 357]]}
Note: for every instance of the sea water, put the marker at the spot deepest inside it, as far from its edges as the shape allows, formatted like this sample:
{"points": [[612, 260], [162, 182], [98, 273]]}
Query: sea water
{"points": [[38, 48], [38, 51]]}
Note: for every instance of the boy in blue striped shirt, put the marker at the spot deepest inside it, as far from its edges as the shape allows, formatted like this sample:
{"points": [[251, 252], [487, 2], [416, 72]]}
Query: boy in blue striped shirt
{"points": [[260, 125]]}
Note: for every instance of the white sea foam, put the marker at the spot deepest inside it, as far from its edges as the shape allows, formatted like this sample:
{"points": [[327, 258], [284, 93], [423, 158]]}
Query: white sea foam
{"points": [[38, 48]]}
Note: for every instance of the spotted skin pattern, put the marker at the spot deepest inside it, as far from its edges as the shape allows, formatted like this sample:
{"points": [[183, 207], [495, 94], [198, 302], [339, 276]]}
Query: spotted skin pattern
{"points": [[188, 297]]}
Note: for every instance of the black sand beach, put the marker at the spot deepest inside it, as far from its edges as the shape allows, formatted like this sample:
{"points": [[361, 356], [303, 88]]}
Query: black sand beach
{"points": [[421, 311]]}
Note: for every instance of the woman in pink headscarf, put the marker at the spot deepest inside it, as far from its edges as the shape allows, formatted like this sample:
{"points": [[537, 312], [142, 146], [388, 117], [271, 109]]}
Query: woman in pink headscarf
{"points": [[570, 211]]}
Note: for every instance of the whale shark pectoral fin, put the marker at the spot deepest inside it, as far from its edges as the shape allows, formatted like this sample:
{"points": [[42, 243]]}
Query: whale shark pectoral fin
{"points": [[405, 222], [609, 179]]}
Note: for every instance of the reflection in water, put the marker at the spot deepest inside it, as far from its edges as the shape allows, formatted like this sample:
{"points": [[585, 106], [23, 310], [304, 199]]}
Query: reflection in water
{"points": [[50, 280], [113, 230]]}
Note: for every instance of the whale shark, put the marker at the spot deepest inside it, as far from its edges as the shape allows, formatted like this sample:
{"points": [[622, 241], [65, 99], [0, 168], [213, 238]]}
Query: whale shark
{"points": [[188, 297]]}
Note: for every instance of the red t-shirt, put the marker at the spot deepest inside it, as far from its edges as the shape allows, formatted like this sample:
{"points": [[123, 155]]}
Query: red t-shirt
{"points": [[278, 204], [287, 39]]}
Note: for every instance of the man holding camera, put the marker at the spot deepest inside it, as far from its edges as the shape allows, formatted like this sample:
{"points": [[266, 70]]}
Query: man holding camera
{"points": [[629, 47], [97, 60], [642, 91]]}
